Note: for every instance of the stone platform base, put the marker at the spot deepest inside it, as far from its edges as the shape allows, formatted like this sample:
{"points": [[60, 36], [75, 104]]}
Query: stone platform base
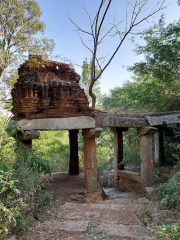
{"points": [[130, 180], [99, 195]]}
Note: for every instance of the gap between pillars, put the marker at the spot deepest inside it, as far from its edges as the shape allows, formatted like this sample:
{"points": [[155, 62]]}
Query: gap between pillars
{"points": [[118, 149], [73, 152]]}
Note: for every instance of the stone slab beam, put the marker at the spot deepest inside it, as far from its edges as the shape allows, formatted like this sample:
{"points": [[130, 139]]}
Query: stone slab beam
{"points": [[163, 120], [114, 121], [90, 161], [51, 124]]}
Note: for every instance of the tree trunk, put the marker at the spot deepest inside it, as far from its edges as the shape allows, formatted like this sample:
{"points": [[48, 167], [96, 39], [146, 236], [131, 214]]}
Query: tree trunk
{"points": [[93, 96]]}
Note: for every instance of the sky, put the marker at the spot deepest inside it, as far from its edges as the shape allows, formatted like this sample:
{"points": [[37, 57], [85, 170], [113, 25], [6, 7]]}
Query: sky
{"points": [[69, 45]]}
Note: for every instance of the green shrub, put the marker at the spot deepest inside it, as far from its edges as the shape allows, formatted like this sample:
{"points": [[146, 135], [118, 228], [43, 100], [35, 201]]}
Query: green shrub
{"points": [[131, 148], [53, 146], [169, 193], [167, 232], [20, 185]]}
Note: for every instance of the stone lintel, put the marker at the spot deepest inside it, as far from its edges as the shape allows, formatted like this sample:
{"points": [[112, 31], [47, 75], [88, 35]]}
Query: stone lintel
{"points": [[147, 131], [91, 133], [134, 176], [123, 122], [28, 135], [163, 120], [72, 123]]}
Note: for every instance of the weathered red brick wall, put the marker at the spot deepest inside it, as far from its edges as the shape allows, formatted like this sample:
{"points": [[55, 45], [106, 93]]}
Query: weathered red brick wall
{"points": [[47, 89]]}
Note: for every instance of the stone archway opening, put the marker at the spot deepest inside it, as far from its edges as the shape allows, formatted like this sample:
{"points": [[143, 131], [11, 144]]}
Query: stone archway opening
{"points": [[53, 147], [47, 96]]}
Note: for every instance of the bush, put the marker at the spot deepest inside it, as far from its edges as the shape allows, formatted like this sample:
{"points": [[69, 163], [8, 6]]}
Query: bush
{"points": [[167, 232], [53, 146], [169, 193], [131, 148], [20, 185]]}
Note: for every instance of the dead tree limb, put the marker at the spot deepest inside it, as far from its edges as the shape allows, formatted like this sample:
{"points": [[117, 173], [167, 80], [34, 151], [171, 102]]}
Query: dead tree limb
{"points": [[133, 18]]}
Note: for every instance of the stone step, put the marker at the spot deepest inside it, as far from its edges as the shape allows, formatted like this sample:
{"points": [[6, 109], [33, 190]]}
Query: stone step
{"points": [[134, 232], [134, 176], [98, 212]]}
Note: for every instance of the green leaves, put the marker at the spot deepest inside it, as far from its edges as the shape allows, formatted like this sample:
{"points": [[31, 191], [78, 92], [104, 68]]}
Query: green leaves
{"points": [[167, 232], [19, 180], [20, 31], [161, 52], [156, 80]]}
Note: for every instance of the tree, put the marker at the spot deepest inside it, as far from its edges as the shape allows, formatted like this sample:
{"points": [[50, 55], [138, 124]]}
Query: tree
{"points": [[161, 67], [19, 26], [86, 79], [100, 30], [156, 80]]}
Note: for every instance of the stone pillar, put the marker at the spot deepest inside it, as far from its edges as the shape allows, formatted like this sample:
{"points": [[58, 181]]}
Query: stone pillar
{"points": [[159, 148], [162, 160], [156, 149], [73, 153], [147, 174], [118, 150], [90, 162], [26, 137]]}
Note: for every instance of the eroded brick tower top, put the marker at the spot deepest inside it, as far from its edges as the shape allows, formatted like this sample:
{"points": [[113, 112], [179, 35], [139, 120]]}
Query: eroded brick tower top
{"points": [[47, 89]]}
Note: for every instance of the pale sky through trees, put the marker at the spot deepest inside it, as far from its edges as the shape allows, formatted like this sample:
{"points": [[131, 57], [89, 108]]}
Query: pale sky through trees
{"points": [[69, 45]]}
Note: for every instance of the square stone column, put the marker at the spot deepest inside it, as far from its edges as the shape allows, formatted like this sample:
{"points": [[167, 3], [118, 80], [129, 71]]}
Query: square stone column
{"points": [[26, 137], [147, 174], [118, 150], [90, 161], [160, 159], [25, 148], [73, 152], [156, 149]]}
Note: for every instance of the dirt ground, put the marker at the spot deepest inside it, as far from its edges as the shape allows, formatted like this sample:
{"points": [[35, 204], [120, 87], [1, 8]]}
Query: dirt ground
{"points": [[73, 215]]}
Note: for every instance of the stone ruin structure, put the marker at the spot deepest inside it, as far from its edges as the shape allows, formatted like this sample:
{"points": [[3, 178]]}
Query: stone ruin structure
{"points": [[48, 89], [47, 96]]}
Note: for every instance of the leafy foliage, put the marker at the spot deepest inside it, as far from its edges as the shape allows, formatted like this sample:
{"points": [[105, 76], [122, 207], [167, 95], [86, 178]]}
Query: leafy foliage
{"points": [[155, 85], [19, 25], [169, 193], [53, 147], [167, 232], [20, 186]]}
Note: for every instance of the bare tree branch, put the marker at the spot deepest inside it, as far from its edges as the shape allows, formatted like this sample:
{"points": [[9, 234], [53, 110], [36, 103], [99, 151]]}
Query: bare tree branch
{"points": [[84, 43], [78, 28], [98, 27]]}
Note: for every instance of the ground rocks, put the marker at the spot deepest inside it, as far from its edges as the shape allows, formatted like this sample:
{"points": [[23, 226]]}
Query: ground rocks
{"points": [[78, 198], [143, 201], [70, 218]]}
